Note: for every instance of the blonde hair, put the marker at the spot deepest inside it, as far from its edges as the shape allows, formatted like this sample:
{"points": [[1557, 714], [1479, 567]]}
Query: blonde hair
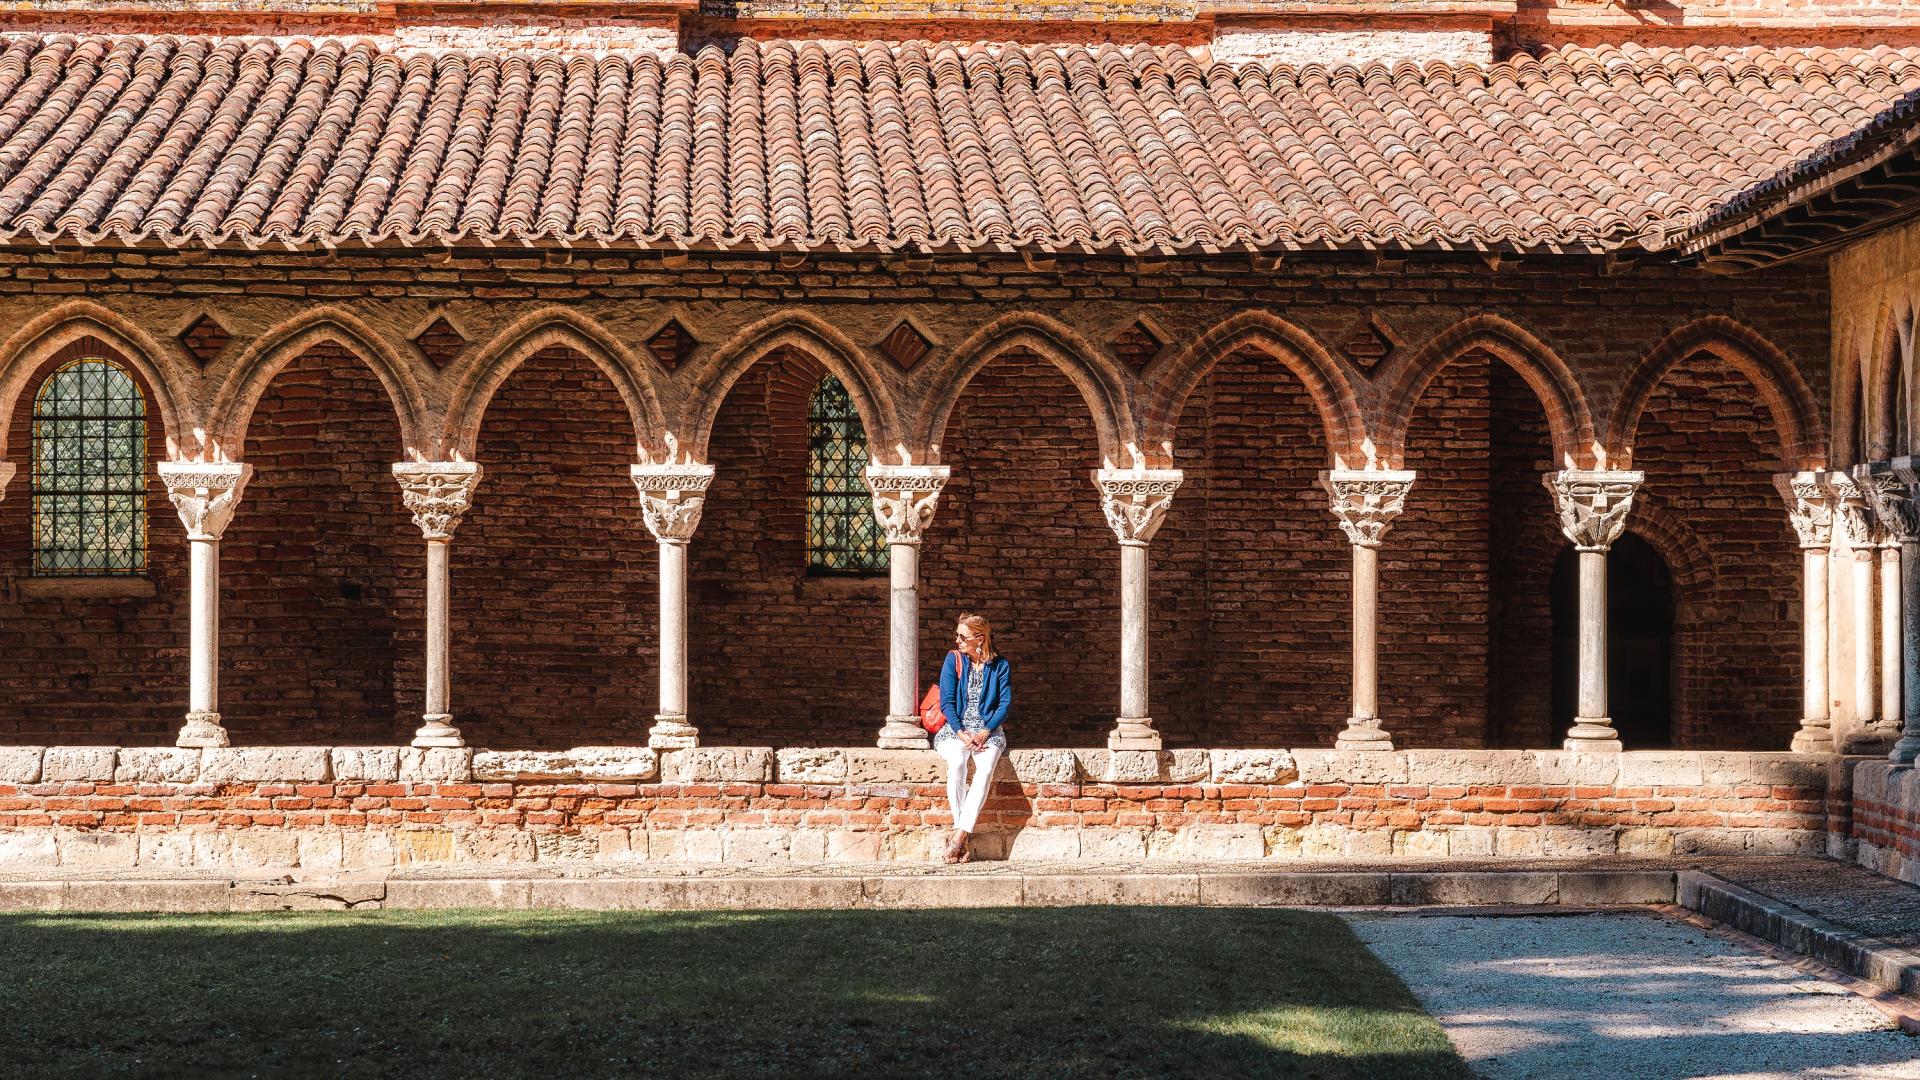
{"points": [[979, 625]]}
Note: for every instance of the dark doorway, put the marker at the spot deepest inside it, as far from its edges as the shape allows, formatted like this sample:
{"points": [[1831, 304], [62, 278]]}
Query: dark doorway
{"points": [[1639, 642]]}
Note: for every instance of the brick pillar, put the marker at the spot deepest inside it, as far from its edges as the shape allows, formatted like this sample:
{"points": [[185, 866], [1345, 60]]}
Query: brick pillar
{"points": [[1365, 502], [1593, 507], [1810, 506], [1135, 502], [1896, 503], [205, 494], [438, 493], [672, 495], [904, 499]]}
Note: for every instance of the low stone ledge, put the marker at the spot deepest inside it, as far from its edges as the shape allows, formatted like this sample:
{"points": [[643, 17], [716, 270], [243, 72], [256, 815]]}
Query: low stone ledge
{"points": [[436, 765], [156, 765], [1251, 767], [366, 764], [1040, 767], [1781, 769], [1576, 769], [1144, 766], [873, 766], [811, 765], [718, 765], [611, 764], [265, 764], [20, 764], [1662, 768], [1473, 768], [1352, 766], [77, 764]]}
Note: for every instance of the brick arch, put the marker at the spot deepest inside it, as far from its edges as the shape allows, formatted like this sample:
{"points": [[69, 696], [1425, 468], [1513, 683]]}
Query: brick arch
{"points": [[267, 355], [1336, 397], [1890, 346], [481, 377], [29, 348], [796, 331], [1552, 381], [1802, 435], [1105, 388]]}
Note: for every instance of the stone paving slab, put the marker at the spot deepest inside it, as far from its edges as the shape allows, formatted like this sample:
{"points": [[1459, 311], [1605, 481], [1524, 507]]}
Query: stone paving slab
{"points": [[1886, 964], [1631, 995], [1840, 893]]}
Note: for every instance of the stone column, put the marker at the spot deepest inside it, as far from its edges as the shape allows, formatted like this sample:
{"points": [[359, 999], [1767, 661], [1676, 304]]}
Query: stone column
{"points": [[1365, 501], [206, 495], [904, 498], [1862, 537], [1135, 502], [672, 495], [1810, 504], [438, 493], [1593, 507], [1896, 503]]}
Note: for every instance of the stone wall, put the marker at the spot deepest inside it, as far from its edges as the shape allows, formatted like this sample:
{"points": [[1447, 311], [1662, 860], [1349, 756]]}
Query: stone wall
{"points": [[1886, 819], [372, 807]]}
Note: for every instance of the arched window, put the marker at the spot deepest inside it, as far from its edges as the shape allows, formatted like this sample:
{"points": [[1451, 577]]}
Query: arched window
{"points": [[89, 471], [842, 535]]}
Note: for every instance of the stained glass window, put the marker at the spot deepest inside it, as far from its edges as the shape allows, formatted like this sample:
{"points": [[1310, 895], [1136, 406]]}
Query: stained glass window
{"points": [[89, 472], [842, 535]]}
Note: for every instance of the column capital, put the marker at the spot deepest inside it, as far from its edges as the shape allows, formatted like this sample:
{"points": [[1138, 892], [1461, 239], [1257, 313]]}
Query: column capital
{"points": [[1593, 504], [1136, 500], [1853, 507], [672, 495], [6, 474], [205, 493], [437, 492], [1365, 501], [904, 498], [1894, 507], [1810, 504]]}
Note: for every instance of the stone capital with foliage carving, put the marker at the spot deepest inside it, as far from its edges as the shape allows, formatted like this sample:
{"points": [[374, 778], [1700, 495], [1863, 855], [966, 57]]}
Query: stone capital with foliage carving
{"points": [[1894, 504], [1593, 504], [1810, 506], [1853, 513], [438, 493], [1365, 501], [205, 494], [1136, 500], [672, 495], [904, 498]]}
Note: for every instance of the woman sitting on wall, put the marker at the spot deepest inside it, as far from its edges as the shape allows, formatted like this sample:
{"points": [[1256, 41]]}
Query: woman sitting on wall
{"points": [[975, 695]]}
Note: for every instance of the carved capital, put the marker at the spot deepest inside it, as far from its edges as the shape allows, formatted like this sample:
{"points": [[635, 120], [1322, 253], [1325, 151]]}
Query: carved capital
{"points": [[437, 492], [6, 474], [1136, 500], [904, 498], [1853, 509], [205, 494], [1894, 505], [1366, 501], [671, 497], [1810, 506], [1593, 504]]}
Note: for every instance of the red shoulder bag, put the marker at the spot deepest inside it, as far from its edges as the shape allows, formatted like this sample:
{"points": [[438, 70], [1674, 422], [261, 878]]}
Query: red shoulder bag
{"points": [[931, 716]]}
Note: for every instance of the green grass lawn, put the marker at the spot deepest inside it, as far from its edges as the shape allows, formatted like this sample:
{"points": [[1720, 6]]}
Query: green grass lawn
{"points": [[1076, 992]]}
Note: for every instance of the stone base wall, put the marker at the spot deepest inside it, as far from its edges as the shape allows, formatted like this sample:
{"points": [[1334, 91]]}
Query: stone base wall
{"points": [[1886, 819], [367, 808]]}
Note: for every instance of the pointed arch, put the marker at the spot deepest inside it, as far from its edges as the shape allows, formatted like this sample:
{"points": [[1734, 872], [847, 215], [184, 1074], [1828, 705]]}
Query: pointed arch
{"points": [[550, 328], [1889, 361], [1553, 382], [267, 355], [1336, 396], [27, 349], [1802, 435], [1099, 380], [801, 331]]}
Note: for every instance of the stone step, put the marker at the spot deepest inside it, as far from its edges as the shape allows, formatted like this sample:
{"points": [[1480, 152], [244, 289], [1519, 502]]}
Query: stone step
{"points": [[853, 889], [1887, 965]]}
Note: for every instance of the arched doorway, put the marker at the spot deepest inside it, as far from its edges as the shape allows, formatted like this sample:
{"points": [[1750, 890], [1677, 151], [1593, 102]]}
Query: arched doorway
{"points": [[1639, 642]]}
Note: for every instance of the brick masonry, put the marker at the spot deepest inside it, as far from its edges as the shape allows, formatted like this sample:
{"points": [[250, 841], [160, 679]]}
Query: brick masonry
{"points": [[1886, 819], [368, 807], [552, 570]]}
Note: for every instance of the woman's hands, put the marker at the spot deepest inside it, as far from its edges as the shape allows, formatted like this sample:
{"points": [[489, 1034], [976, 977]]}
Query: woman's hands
{"points": [[976, 740]]}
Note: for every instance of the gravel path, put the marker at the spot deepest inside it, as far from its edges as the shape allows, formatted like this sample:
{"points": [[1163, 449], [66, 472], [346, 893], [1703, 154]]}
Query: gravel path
{"points": [[1627, 996]]}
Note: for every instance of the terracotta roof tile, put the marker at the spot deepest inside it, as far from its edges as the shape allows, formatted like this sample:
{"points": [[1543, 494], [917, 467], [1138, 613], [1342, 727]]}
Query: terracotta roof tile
{"points": [[818, 144]]}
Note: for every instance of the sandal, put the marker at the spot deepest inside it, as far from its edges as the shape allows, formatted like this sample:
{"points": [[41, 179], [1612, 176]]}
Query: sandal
{"points": [[966, 851], [954, 848]]}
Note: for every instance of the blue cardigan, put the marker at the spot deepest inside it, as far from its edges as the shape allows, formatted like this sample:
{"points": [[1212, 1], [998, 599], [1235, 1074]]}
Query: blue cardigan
{"points": [[996, 697]]}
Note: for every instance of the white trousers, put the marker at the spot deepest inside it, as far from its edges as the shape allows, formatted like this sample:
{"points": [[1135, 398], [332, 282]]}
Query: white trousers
{"points": [[967, 799]]}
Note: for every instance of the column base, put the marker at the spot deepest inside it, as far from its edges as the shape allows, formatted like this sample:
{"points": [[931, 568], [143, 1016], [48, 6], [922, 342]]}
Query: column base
{"points": [[1363, 733], [1906, 751], [1873, 739], [1593, 735], [202, 729], [672, 733], [437, 729], [1813, 740], [1133, 733], [902, 733]]}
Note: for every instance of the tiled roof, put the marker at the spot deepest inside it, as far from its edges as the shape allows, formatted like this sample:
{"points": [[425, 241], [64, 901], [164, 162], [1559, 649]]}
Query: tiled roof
{"points": [[890, 145]]}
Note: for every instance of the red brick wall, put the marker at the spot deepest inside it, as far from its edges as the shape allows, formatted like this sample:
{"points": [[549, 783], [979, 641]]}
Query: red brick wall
{"points": [[1523, 538], [553, 570], [320, 568], [82, 670]]}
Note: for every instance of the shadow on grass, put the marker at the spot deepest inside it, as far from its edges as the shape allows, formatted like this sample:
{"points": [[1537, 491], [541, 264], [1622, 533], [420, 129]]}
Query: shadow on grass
{"points": [[1076, 992]]}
